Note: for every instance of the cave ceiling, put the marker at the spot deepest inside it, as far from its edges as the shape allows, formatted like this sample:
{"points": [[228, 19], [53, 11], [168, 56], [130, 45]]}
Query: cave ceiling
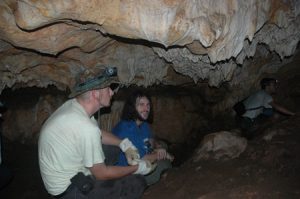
{"points": [[170, 42]]}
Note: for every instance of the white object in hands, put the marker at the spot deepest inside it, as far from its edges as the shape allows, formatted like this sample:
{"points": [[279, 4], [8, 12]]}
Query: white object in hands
{"points": [[144, 167], [131, 152]]}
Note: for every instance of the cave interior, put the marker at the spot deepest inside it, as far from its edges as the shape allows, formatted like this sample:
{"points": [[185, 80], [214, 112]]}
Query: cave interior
{"points": [[196, 59]]}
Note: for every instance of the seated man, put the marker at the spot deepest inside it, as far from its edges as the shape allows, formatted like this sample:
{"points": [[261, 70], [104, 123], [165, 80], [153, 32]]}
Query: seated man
{"points": [[261, 106], [71, 157], [134, 126]]}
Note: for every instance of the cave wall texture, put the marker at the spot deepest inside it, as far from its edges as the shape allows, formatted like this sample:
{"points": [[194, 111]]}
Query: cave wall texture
{"points": [[206, 43]]}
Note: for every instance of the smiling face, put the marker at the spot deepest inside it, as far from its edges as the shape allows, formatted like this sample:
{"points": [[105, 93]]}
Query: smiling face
{"points": [[142, 106]]}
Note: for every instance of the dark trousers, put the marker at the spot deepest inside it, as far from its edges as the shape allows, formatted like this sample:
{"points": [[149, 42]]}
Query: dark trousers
{"points": [[5, 176], [252, 127], [129, 187], [154, 177]]}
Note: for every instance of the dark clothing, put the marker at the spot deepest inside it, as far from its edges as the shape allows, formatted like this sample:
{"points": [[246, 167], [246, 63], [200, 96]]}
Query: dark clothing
{"points": [[5, 176], [129, 187], [139, 136], [154, 177], [249, 126]]}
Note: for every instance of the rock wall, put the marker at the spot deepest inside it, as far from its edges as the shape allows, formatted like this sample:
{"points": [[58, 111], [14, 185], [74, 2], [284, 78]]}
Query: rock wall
{"points": [[46, 43], [226, 44]]}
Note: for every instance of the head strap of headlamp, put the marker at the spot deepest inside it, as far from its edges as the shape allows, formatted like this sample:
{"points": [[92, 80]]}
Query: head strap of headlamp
{"points": [[91, 83]]}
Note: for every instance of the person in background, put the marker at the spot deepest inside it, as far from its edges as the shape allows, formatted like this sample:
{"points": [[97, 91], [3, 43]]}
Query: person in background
{"points": [[71, 157], [134, 126], [261, 107], [5, 173]]}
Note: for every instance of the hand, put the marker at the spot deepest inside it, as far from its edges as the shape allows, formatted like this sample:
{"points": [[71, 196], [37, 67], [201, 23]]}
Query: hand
{"points": [[170, 157], [131, 152], [144, 167], [161, 153]]}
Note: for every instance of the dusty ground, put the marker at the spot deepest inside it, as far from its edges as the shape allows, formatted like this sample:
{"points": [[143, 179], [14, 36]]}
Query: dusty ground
{"points": [[265, 170]]}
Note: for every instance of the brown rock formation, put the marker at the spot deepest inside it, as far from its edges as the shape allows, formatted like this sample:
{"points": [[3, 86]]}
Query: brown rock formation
{"points": [[200, 39], [174, 42]]}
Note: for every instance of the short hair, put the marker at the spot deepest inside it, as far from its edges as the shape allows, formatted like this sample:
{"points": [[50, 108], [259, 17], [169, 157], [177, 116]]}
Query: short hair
{"points": [[266, 82], [129, 111]]}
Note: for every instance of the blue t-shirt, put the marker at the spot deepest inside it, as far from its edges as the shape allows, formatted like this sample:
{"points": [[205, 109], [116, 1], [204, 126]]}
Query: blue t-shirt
{"points": [[138, 135]]}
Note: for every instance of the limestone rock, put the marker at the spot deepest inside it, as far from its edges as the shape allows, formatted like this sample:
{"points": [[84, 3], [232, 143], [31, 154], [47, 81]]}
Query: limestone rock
{"points": [[203, 40], [220, 145]]}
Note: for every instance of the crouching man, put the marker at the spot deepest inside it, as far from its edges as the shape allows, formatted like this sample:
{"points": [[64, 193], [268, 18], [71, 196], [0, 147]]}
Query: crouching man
{"points": [[71, 157]]}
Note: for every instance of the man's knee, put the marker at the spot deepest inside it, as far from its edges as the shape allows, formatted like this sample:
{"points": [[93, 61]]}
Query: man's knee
{"points": [[137, 180], [154, 177], [133, 187]]}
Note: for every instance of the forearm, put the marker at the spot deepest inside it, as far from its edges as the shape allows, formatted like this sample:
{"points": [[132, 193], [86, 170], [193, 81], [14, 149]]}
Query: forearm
{"points": [[110, 139], [282, 109], [150, 157], [103, 172], [285, 111], [158, 154]]}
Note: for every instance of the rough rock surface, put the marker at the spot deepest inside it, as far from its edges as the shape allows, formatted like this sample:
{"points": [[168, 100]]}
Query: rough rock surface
{"points": [[46, 43], [220, 145]]}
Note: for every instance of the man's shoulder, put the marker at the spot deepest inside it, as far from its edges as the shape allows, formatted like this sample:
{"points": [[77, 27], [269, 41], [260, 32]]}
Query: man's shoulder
{"points": [[123, 128]]}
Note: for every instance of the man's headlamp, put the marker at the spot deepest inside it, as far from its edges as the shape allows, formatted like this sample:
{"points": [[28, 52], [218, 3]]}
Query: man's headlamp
{"points": [[94, 82], [110, 71]]}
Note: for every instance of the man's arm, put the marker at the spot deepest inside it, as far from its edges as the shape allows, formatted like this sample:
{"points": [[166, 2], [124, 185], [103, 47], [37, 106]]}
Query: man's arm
{"points": [[159, 153], [102, 172], [131, 152], [281, 109], [110, 139], [152, 157]]}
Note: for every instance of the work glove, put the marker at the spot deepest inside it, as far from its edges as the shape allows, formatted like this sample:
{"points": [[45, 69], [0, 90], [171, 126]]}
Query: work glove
{"points": [[144, 167], [131, 152]]}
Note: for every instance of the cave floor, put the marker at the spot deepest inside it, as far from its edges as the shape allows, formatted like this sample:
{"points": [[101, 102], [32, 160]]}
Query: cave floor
{"points": [[265, 170]]}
